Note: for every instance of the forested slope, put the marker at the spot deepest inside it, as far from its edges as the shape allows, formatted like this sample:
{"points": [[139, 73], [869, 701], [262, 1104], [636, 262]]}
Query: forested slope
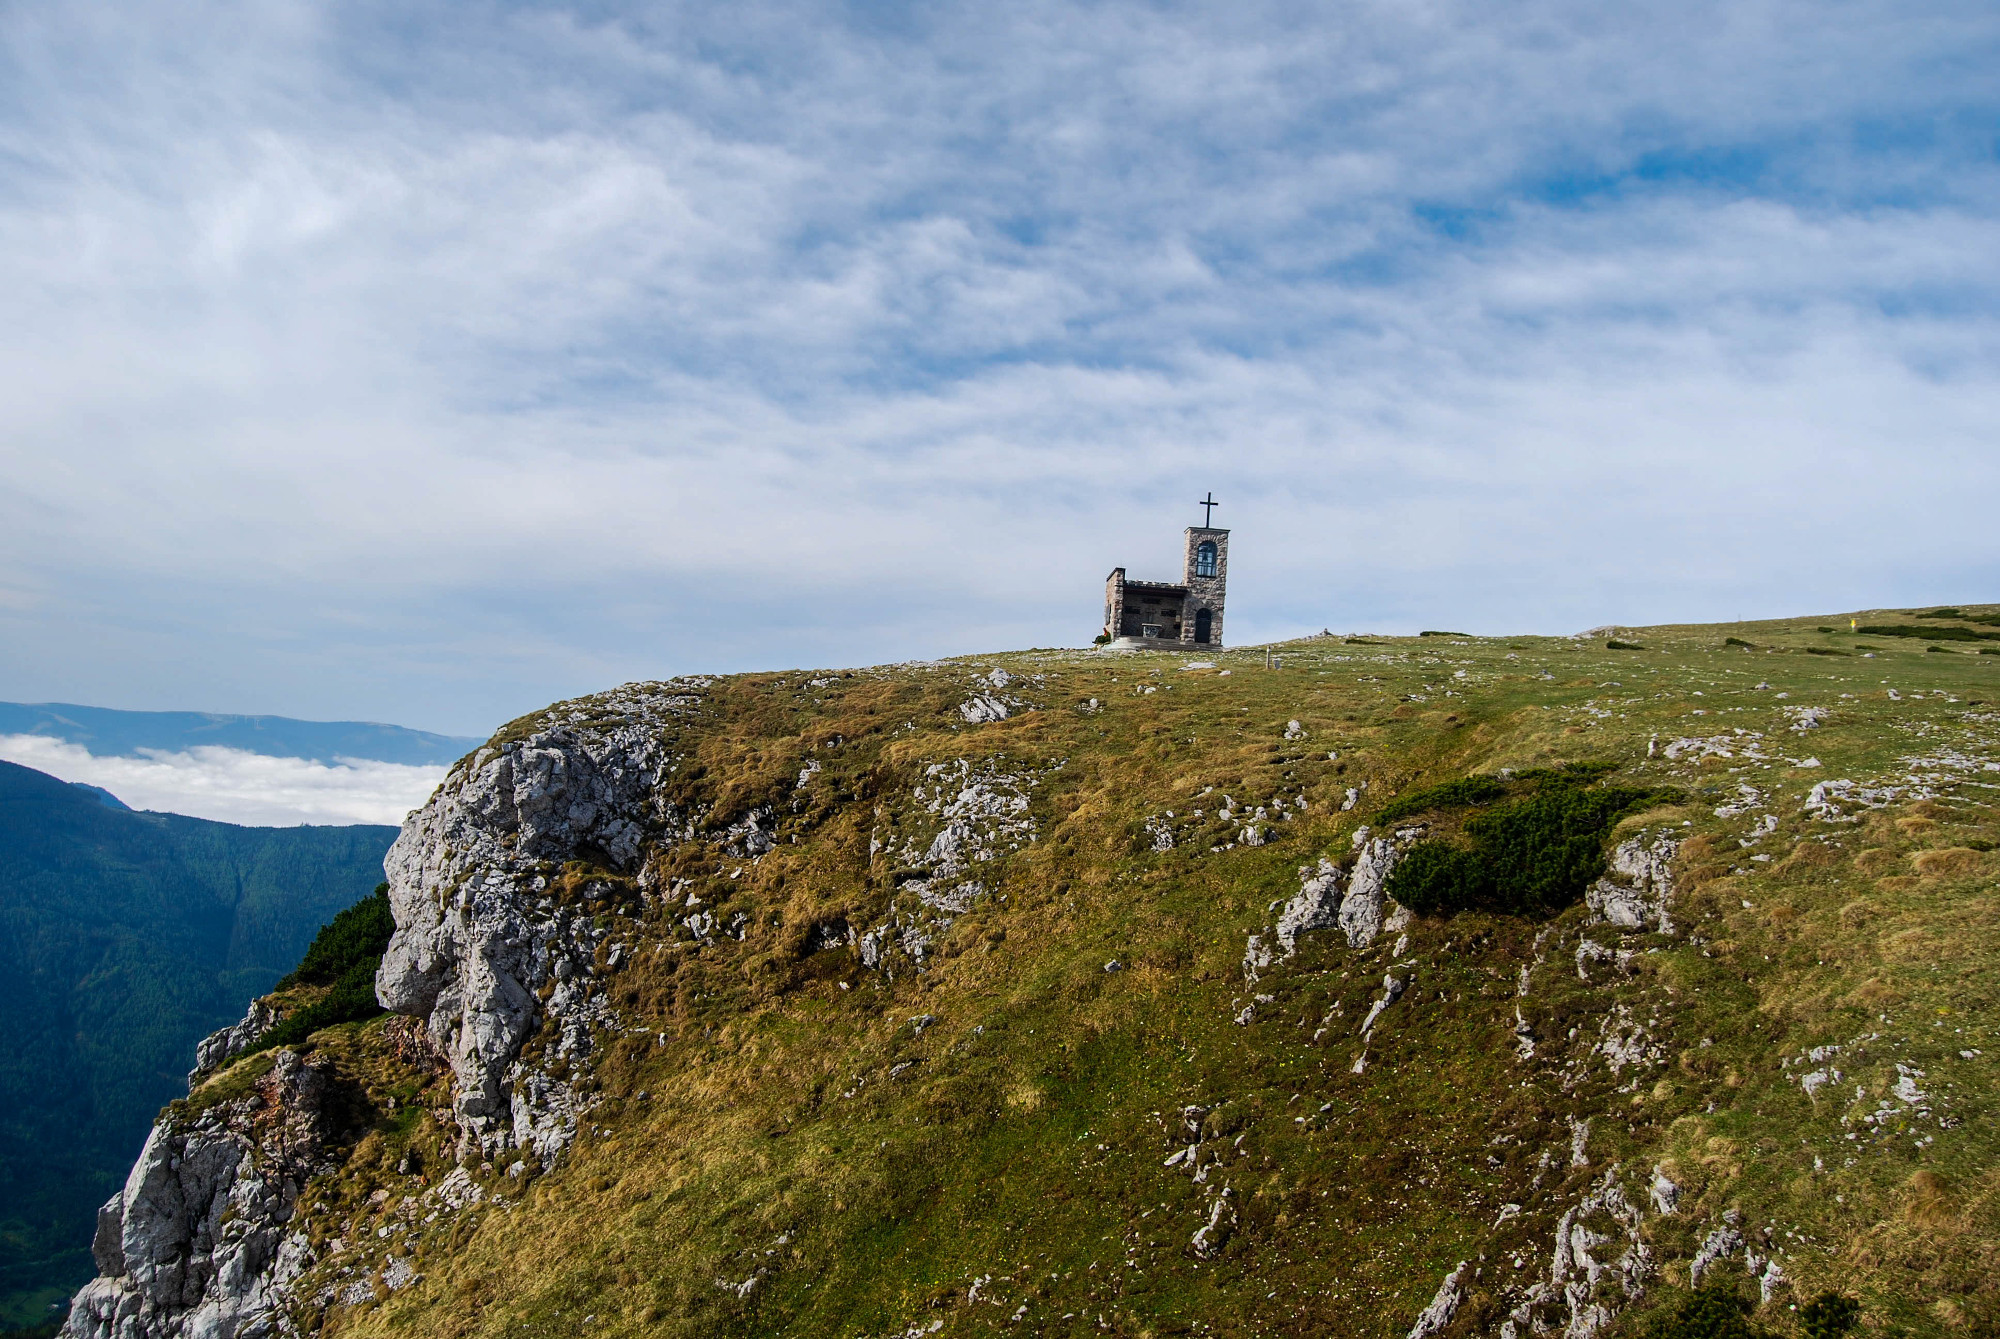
{"points": [[124, 938]]}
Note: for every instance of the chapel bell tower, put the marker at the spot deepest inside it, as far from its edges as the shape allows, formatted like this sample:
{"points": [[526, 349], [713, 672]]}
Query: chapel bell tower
{"points": [[1205, 573]]}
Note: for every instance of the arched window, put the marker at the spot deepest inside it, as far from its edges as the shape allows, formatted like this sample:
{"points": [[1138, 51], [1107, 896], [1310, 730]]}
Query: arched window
{"points": [[1204, 558]]}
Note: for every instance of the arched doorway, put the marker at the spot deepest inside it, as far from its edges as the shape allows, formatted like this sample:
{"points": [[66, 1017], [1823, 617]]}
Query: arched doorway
{"points": [[1203, 620]]}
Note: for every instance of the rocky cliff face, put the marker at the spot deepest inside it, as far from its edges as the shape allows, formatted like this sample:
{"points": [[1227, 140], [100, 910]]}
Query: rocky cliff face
{"points": [[487, 950], [200, 1242]]}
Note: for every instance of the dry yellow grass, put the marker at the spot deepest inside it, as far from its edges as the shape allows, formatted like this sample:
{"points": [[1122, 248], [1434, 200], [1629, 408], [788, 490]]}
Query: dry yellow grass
{"points": [[1951, 862]]}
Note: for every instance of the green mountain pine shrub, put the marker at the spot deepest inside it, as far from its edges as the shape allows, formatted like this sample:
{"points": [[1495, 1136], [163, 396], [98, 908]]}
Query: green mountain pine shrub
{"points": [[1927, 634], [1829, 1316], [1531, 857], [1717, 1311], [1720, 1311], [1460, 794], [344, 954], [1990, 620], [359, 933]]}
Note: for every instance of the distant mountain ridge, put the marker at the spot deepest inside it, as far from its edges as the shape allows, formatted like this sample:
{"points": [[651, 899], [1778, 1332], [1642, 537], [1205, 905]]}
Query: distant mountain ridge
{"points": [[124, 938], [102, 796], [108, 732]]}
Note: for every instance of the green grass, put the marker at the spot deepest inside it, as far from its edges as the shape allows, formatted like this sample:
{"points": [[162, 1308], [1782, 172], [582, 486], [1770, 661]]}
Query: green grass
{"points": [[1014, 1148], [350, 1000]]}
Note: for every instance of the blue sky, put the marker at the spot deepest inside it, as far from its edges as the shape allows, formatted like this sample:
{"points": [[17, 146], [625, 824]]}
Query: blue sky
{"points": [[428, 363]]}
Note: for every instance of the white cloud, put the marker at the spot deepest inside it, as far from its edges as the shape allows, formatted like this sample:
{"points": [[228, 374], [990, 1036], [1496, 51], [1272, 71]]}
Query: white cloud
{"points": [[433, 367], [232, 786]]}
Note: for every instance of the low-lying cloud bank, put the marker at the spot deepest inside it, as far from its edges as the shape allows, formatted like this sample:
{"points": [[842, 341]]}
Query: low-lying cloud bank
{"points": [[232, 786]]}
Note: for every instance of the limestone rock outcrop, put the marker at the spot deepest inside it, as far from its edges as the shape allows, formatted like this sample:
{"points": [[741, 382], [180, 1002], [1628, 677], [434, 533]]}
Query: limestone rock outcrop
{"points": [[483, 951], [1316, 907], [218, 1048], [1435, 1317], [198, 1242], [1361, 911], [1330, 898], [1637, 892]]}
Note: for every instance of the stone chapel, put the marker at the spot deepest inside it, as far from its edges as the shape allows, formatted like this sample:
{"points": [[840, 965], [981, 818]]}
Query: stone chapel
{"points": [[1163, 616]]}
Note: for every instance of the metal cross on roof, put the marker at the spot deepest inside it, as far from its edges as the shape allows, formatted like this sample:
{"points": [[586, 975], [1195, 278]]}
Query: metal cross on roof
{"points": [[1210, 504]]}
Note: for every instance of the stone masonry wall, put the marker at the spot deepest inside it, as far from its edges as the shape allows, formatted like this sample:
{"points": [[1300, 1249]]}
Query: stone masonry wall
{"points": [[1205, 592]]}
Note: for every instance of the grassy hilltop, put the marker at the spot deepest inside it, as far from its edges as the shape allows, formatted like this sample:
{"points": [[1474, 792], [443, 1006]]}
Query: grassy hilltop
{"points": [[788, 1142]]}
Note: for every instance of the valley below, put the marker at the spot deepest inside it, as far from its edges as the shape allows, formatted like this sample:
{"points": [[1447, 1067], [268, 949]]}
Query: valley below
{"points": [[124, 938]]}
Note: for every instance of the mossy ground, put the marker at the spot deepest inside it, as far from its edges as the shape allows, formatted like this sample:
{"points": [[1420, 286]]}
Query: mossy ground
{"points": [[772, 1115]]}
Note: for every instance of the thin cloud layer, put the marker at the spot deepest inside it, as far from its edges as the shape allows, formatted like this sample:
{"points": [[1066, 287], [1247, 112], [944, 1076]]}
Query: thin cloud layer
{"points": [[431, 363], [232, 786]]}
